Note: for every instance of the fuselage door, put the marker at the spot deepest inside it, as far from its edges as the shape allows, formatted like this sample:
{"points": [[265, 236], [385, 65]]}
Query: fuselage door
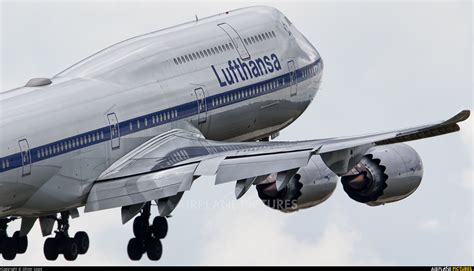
{"points": [[236, 40], [201, 105], [25, 157], [293, 78], [114, 131]]}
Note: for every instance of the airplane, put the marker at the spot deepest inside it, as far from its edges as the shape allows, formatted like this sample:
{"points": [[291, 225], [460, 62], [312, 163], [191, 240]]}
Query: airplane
{"points": [[136, 124]]}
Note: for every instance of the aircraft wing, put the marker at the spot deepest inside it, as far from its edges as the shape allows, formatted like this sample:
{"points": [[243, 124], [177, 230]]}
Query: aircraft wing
{"points": [[166, 165]]}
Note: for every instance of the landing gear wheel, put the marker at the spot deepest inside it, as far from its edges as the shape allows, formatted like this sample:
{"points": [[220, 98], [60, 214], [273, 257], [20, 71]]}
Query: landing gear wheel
{"points": [[50, 249], [139, 227], [82, 240], [160, 227], [135, 249], [9, 249], [21, 242], [154, 249], [70, 249]]}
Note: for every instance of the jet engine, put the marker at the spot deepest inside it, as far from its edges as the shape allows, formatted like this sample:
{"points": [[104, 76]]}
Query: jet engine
{"points": [[311, 185], [385, 174]]}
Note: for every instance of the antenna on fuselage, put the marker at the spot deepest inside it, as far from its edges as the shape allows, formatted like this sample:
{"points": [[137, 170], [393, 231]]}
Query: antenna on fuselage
{"points": [[196, 17]]}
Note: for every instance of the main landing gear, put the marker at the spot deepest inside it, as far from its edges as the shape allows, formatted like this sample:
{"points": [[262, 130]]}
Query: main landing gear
{"points": [[63, 244], [147, 237], [11, 246]]}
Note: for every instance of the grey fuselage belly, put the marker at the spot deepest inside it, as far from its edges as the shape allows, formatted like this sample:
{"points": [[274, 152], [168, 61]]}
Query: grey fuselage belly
{"points": [[236, 76]]}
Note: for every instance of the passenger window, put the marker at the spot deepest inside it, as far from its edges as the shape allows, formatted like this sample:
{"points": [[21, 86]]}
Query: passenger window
{"points": [[179, 60], [146, 122], [186, 57], [138, 124], [231, 46], [130, 127], [253, 40]]}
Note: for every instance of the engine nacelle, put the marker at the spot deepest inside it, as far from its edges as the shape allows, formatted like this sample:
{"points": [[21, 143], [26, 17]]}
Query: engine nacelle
{"points": [[385, 174], [311, 185]]}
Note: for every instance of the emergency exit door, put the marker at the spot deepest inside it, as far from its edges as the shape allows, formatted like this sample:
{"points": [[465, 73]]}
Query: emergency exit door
{"points": [[236, 40], [114, 131], [293, 78], [25, 157], [201, 105]]}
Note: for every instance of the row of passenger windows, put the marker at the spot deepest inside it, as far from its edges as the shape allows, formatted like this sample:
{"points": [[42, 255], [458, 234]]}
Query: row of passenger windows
{"points": [[260, 38], [154, 119], [70, 144], [310, 71], [252, 91], [203, 53], [5, 164], [90, 138], [221, 48]]}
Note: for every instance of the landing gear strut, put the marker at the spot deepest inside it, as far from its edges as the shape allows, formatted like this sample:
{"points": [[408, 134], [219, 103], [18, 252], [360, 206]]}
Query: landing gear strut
{"points": [[147, 237], [63, 244], [11, 246]]}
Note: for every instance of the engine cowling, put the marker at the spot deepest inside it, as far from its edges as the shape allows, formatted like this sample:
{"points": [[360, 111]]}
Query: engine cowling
{"points": [[385, 174], [311, 185]]}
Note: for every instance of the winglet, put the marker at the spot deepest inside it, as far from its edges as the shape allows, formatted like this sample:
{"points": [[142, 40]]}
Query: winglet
{"points": [[459, 117]]}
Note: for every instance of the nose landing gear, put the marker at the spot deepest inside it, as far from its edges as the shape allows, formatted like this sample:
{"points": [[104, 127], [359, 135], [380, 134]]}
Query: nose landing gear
{"points": [[147, 237], [62, 243]]}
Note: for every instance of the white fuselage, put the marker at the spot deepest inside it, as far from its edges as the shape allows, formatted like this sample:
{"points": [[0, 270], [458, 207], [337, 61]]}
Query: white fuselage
{"points": [[241, 76]]}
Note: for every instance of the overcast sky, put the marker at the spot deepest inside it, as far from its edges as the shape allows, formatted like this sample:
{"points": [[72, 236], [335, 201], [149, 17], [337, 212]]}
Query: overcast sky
{"points": [[387, 65]]}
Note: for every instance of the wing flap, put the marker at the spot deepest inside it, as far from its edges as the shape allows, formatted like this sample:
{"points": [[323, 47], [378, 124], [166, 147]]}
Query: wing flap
{"points": [[238, 168], [140, 188]]}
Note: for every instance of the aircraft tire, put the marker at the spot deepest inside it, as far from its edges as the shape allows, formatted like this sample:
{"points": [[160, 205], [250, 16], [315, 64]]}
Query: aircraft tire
{"points": [[70, 249], [154, 249], [160, 227], [21, 242], [82, 240], [134, 249]]}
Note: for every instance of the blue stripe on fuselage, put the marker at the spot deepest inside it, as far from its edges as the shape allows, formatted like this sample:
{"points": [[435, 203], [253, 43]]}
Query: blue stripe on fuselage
{"points": [[153, 119]]}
